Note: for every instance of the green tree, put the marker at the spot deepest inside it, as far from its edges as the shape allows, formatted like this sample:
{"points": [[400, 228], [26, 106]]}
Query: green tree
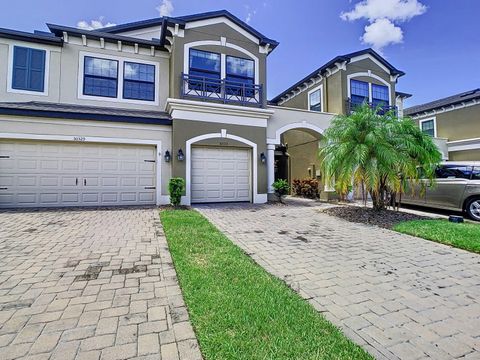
{"points": [[378, 152]]}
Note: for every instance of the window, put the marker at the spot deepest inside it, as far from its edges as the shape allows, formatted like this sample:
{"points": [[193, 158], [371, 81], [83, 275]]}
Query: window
{"points": [[380, 96], [453, 172], [240, 76], [28, 72], [100, 77], [138, 81], [204, 71], [476, 173], [315, 101], [428, 127], [358, 92]]}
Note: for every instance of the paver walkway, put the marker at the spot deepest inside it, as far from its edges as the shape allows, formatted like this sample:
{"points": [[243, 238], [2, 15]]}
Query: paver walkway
{"points": [[90, 284], [396, 295]]}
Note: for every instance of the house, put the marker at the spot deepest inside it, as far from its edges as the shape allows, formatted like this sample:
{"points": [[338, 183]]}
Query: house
{"points": [[453, 122], [336, 88], [106, 117]]}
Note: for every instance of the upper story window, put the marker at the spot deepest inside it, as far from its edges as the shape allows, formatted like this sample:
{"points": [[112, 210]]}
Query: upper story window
{"points": [[359, 92], [100, 77], [379, 95], [139, 81], [28, 70], [428, 127], [315, 100], [204, 64], [240, 76]]}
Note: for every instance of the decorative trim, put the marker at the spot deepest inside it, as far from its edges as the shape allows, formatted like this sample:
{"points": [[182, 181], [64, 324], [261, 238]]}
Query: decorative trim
{"points": [[321, 97], [371, 75], [291, 126], [46, 72], [186, 200], [121, 61], [462, 145], [306, 86], [94, 139], [220, 20], [434, 118], [446, 109], [368, 56]]}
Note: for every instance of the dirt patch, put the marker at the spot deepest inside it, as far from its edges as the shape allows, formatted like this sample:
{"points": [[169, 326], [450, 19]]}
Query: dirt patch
{"points": [[386, 219]]}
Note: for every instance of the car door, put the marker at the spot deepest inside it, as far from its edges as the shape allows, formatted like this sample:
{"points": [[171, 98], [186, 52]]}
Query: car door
{"points": [[414, 194], [447, 192]]}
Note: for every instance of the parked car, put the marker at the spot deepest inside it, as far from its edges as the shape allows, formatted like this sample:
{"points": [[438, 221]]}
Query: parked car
{"points": [[457, 188]]}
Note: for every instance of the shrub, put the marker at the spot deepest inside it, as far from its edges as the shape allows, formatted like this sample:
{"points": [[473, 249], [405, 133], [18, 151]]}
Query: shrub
{"points": [[176, 187], [281, 188], [307, 188]]}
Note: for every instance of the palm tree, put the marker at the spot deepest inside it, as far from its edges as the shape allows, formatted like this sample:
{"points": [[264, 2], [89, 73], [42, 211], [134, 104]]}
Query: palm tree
{"points": [[378, 152]]}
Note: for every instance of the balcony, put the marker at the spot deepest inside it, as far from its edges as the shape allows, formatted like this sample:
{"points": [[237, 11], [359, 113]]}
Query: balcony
{"points": [[381, 109], [221, 90]]}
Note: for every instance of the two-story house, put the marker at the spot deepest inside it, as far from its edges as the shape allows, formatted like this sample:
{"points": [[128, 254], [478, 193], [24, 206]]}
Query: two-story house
{"points": [[454, 123], [107, 117]]}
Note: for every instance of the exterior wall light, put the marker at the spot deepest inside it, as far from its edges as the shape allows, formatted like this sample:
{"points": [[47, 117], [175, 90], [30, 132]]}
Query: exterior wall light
{"points": [[167, 156], [180, 155], [263, 158]]}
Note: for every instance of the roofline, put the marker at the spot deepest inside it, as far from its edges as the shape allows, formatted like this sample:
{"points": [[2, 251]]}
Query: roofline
{"points": [[134, 25], [341, 58], [84, 116], [403, 94], [95, 34], [434, 107], [30, 37]]}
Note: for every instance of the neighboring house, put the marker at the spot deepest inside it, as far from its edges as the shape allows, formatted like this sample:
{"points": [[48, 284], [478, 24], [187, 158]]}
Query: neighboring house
{"points": [[454, 122], [337, 88], [107, 117]]}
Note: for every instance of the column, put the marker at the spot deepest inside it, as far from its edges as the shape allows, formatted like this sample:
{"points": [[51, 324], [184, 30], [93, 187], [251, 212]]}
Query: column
{"points": [[270, 167]]}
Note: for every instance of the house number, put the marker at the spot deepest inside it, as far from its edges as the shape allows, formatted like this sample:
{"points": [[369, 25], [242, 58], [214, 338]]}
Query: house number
{"points": [[224, 143], [79, 138]]}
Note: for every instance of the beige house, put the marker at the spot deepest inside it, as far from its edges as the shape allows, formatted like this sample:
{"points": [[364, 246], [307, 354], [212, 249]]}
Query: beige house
{"points": [[454, 122], [106, 117]]}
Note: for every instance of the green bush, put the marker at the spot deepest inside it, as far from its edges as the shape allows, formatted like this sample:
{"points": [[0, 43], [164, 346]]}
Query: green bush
{"points": [[281, 188], [176, 187], [307, 188]]}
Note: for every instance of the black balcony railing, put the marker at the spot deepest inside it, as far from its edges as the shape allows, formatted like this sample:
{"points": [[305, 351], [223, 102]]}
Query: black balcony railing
{"points": [[225, 91], [381, 109]]}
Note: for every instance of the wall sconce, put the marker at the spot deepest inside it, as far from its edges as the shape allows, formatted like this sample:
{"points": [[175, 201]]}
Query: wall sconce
{"points": [[180, 155], [167, 156], [263, 158]]}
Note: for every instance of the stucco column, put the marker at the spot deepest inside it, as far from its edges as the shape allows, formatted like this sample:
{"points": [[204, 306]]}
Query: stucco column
{"points": [[270, 166]]}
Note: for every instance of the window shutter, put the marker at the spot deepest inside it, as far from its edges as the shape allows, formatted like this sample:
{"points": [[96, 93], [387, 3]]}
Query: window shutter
{"points": [[28, 69], [20, 68], [37, 70]]}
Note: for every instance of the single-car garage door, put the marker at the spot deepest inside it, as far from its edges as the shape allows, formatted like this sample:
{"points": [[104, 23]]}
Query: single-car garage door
{"points": [[49, 174], [220, 174]]}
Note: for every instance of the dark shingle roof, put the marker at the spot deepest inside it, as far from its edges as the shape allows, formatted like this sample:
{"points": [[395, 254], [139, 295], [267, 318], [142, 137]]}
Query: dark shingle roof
{"points": [[81, 112], [440, 103], [341, 58], [403, 94], [36, 37]]}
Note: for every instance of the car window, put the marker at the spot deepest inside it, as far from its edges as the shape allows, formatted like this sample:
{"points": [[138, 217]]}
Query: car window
{"points": [[453, 172], [476, 173]]}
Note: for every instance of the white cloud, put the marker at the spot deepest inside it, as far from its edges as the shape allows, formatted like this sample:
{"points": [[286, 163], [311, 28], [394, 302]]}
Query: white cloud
{"points": [[165, 8], [250, 14], [384, 17], [94, 24], [382, 32]]}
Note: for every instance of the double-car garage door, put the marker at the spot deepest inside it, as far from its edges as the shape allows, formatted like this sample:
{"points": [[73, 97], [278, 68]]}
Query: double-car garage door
{"points": [[51, 174]]}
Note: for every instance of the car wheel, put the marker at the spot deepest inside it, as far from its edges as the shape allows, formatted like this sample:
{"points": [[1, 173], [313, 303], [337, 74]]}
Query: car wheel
{"points": [[473, 209]]}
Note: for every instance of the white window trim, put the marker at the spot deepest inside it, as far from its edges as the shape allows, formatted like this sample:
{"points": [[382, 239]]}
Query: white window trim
{"points": [[121, 61], [10, 89], [320, 87], [371, 75], [434, 118]]}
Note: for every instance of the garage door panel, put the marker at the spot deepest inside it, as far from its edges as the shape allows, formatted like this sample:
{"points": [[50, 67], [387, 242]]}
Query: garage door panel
{"points": [[220, 174], [50, 173]]}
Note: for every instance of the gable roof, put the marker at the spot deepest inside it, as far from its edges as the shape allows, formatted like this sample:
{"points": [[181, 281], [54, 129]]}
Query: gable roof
{"points": [[440, 103], [341, 58], [183, 20], [36, 37]]}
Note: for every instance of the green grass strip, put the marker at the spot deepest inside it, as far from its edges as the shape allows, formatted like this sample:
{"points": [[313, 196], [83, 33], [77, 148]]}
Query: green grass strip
{"points": [[464, 236], [238, 310]]}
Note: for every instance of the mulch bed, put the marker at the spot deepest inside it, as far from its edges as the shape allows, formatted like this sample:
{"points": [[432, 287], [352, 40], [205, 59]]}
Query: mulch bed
{"points": [[386, 219]]}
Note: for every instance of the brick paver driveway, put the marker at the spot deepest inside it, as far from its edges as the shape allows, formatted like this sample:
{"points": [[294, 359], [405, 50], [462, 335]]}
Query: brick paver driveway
{"points": [[396, 295], [90, 284]]}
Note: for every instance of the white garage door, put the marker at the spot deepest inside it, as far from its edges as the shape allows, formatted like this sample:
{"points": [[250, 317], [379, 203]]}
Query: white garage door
{"points": [[220, 174], [49, 174]]}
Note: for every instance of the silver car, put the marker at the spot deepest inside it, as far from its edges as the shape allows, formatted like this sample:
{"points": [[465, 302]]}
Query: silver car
{"points": [[457, 188]]}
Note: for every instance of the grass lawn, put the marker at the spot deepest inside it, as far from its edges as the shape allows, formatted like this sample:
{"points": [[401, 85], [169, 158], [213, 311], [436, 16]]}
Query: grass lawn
{"points": [[463, 236], [238, 310]]}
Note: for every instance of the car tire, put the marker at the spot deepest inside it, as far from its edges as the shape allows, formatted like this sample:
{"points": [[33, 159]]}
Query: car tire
{"points": [[473, 209]]}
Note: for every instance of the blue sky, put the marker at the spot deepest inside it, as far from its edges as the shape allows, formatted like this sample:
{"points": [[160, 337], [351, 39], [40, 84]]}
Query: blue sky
{"points": [[435, 42]]}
